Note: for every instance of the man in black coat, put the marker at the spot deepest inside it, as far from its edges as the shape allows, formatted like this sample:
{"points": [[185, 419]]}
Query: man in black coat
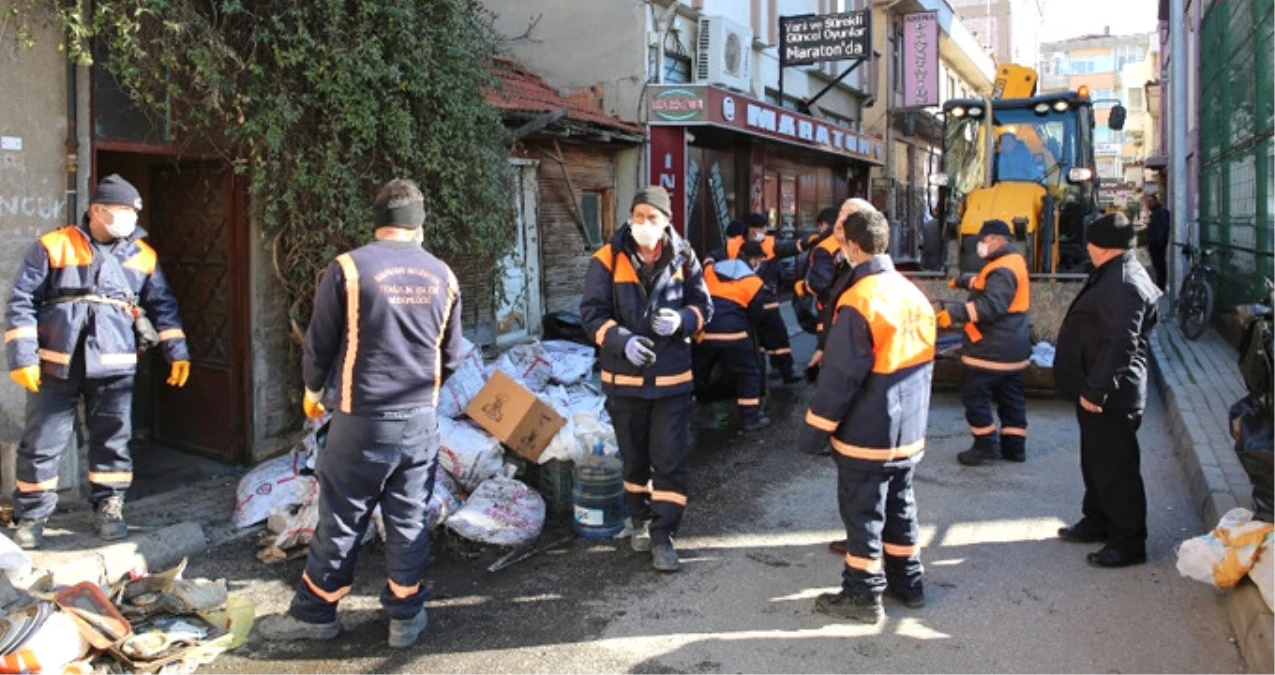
{"points": [[1158, 234], [1101, 363]]}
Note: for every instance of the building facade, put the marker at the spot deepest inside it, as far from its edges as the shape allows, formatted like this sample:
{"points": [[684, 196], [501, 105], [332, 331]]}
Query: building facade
{"points": [[1008, 30]]}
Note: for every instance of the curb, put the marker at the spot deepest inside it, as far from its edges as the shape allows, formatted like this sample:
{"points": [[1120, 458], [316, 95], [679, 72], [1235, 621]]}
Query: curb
{"points": [[154, 551], [1252, 622]]}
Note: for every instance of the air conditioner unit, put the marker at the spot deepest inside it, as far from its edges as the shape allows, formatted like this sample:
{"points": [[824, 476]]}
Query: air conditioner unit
{"points": [[723, 54]]}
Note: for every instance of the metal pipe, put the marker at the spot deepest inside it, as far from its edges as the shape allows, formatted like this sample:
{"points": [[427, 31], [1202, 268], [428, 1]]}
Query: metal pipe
{"points": [[1177, 141]]}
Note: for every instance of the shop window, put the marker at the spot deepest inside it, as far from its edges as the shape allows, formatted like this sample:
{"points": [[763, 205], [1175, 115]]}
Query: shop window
{"points": [[597, 217], [677, 69]]}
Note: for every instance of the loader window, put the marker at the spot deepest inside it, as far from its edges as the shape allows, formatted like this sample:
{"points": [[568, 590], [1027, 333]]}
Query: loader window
{"points": [[1035, 148]]}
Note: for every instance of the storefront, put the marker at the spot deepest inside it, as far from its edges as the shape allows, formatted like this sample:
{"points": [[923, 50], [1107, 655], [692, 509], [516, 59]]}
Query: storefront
{"points": [[723, 155]]}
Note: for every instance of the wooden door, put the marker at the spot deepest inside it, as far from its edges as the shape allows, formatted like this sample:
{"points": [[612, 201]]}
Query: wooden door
{"points": [[198, 229]]}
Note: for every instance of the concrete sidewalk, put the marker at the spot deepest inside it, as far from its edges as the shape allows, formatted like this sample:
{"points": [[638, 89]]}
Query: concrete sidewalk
{"points": [[1199, 380]]}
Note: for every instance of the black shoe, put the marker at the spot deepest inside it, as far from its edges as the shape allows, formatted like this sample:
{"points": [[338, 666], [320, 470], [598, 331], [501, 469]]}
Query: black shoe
{"points": [[1111, 557], [977, 456], [1079, 534], [758, 424], [911, 599], [792, 378], [1019, 457], [859, 608]]}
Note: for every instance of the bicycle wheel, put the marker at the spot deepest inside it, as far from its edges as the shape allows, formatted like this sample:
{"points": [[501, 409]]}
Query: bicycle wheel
{"points": [[1197, 306]]}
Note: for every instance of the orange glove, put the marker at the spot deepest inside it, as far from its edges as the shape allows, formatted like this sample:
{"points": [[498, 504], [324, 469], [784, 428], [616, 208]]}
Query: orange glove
{"points": [[28, 377], [179, 374], [951, 283], [800, 288], [944, 319], [311, 405]]}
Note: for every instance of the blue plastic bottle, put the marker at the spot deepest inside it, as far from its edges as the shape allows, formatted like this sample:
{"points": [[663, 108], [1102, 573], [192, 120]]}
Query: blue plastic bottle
{"points": [[598, 496]]}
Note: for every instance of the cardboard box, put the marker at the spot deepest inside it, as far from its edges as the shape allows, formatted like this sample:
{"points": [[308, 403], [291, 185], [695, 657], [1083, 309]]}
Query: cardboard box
{"points": [[515, 416]]}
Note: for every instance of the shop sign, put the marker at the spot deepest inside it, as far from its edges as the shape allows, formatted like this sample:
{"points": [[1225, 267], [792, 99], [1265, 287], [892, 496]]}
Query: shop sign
{"points": [[920, 60], [1107, 149], [816, 38], [667, 168], [679, 105]]}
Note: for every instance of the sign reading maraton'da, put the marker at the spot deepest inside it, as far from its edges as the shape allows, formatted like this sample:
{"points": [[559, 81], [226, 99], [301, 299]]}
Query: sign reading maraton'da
{"points": [[815, 38], [679, 105]]}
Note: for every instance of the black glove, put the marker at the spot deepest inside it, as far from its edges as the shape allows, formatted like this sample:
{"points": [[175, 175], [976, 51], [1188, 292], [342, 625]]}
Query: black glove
{"points": [[812, 374], [813, 441]]}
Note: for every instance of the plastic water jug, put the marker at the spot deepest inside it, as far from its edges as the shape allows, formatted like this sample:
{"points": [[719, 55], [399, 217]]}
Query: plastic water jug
{"points": [[598, 496]]}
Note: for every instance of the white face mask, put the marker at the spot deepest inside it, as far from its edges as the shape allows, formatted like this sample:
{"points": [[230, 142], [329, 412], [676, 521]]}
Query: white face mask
{"points": [[122, 223], [983, 249], [646, 236], [760, 236]]}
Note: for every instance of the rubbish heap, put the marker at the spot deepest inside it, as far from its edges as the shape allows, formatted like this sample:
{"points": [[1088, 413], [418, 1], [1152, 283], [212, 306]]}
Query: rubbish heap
{"points": [[533, 408]]}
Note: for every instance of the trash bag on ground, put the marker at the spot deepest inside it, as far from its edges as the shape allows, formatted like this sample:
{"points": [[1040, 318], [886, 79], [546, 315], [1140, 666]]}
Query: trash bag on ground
{"points": [[572, 363], [1263, 572], [528, 365], [299, 519], [464, 384], [274, 484], [468, 453], [444, 501], [592, 431], [1222, 557], [502, 511], [1251, 423], [588, 399], [563, 446]]}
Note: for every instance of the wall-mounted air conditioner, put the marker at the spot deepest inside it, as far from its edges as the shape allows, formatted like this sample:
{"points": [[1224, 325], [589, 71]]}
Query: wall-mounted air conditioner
{"points": [[723, 53]]}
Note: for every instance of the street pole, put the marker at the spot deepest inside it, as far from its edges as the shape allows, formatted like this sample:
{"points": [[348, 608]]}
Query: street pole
{"points": [[1177, 141]]}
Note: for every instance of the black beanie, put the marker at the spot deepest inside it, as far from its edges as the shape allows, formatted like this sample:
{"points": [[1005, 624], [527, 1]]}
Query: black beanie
{"points": [[991, 227], [1111, 231], [655, 196], [737, 228], [757, 220], [116, 191]]}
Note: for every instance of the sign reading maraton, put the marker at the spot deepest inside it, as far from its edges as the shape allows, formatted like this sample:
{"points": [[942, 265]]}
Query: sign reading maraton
{"points": [[816, 38], [678, 105]]}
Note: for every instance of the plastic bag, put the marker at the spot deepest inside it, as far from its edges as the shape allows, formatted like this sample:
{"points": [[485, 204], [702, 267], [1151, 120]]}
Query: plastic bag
{"points": [[468, 453], [1263, 572], [590, 431], [572, 363], [299, 520], [1223, 556], [502, 511], [443, 502], [463, 385], [200, 595], [1251, 423], [529, 365], [275, 484], [52, 646], [589, 400], [564, 445], [15, 563], [236, 616]]}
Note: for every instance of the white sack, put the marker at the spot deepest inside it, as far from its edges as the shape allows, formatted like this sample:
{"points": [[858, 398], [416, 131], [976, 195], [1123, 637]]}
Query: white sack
{"points": [[501, 511], [468, 453]]}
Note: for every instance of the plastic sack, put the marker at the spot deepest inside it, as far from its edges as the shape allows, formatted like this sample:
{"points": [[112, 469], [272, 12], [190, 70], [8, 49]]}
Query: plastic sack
{"points": [[1251, 423], [563, 446], [272, 485], [443, 502], [300, 520], [572, 363], [200, 595], [529, 365], [1223, 556], [463, 385], [468, 453], [15, 563], [590, 431], [502, 511], [589, 400], [1263, 572]]}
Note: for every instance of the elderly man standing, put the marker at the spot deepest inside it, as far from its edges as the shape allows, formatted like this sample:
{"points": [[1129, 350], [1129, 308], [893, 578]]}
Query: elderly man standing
{"points": [[1101, 364]]}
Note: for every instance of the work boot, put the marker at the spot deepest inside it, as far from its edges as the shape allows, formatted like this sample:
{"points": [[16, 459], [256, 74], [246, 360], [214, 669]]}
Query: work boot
{"points": [[984, 450], [791, 378], [30, 533], [403, 632], [640, 539], [761, 422], [859, 608], [1012, 451], [913, 599], [287, 628], [664, 557], [109, 519]]}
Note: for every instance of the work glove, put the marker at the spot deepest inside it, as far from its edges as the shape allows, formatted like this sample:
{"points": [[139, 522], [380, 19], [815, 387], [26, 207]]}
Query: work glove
{"points": [[28, 377], [812, 374], [800, 288], [943, 318], [179, 374], [951, 283], [665, 322], [311, 404], [640, 351], [812, 441]]}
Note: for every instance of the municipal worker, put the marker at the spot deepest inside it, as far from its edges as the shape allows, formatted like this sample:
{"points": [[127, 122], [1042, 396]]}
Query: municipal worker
{"points": [[84, 298], [644, 297], [829, 274], [774, 332], [821, 264], [872, 401], [386, 332], [1102, 362], [728, 337], [996, 349]]}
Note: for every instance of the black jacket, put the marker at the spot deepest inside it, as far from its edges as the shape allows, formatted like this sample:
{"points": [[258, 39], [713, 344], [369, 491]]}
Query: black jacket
{"points": [[1158, 228], [1103, 349], [997, 334]]}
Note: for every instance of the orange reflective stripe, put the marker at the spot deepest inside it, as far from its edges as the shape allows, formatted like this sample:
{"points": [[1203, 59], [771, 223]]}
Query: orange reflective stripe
{"points": [[42, 486], [403, 592], [67, 247], [698, 315], [603, 255], [749, 401], [144, 260], [899, 317], [973, 331], [669, 497], [609, 377], [352, 297], [1014, 431], [863, 564], [739, 291], [768, 247], [326, 596], [21, 661], [983, 431], [994, 365], [901, 550], [725, 337], [671, 380], [61, 358], [453, 293], [780, 352], [172, 334], [635, 488], [117, 359], [624, 272], [110, 477], [1017, 265], [972, 311], [877, 454], [601, 335], [21, 333], [821, 423], [772, 305]]}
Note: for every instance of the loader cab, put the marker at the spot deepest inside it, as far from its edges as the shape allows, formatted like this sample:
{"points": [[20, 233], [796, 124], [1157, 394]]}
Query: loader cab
{"points": [[1028, 162]]}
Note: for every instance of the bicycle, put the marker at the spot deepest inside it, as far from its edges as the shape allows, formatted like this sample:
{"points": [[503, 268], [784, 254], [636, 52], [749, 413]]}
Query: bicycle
{"points": [[1195, 299]]}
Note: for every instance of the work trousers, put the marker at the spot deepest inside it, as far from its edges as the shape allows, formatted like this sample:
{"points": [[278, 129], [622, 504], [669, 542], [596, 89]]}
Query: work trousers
{"points": [[772, 333], [652, 435], [879, 511], [979, 390], [389, 461], [740, 359], [50, 421], [1110, 460], [1160, 262]]}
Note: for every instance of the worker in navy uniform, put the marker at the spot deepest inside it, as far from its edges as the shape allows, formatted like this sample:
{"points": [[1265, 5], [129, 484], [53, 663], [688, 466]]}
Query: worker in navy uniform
{"points": [[84, 297], [872, 402], [773, 333], [728, 338], [386, 332], [644, 297], [828, 278], [1102, 362], [996, 347], [821, 249]]}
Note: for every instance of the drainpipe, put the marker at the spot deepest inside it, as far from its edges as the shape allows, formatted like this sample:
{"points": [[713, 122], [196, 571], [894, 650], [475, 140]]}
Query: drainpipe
{"points": [[79, 139], [1177, 142]]}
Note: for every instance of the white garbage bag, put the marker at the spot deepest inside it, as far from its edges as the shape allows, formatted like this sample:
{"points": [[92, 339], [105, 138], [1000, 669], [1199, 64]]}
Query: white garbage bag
{"points": [[299, 520], [564, 445], [277, 483], [572, 362], [502, 511], [527, 364], [444, 501], [1263, 572], [1222, 557], [591, 431], [464, 384], [14, 562], [468, 453]]}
